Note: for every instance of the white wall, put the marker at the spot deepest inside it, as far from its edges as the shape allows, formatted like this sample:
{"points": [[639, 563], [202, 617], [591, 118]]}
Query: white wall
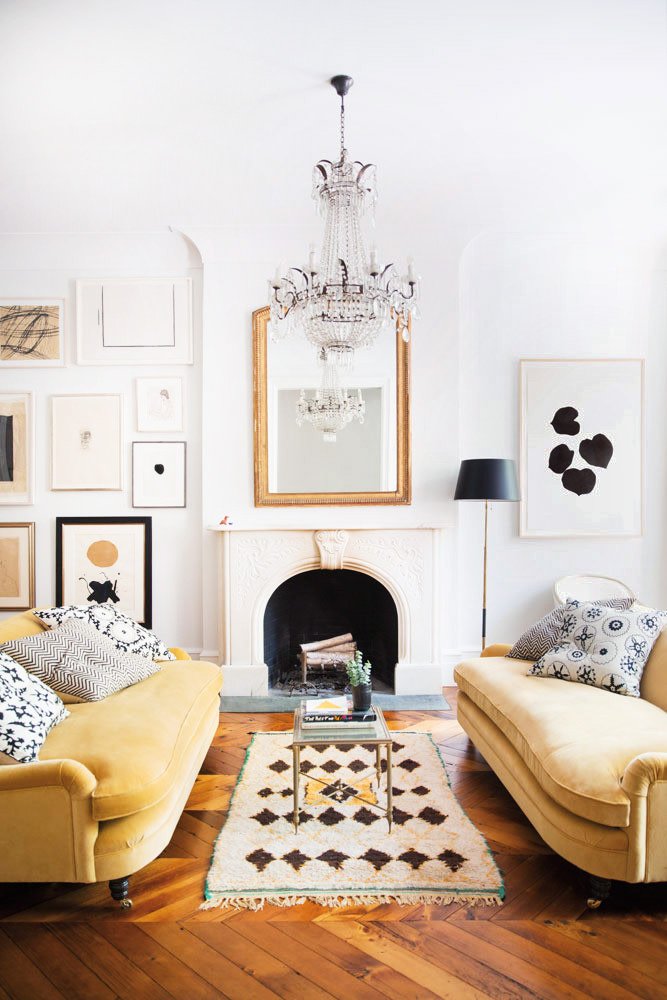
{"points": [[40, 265]]}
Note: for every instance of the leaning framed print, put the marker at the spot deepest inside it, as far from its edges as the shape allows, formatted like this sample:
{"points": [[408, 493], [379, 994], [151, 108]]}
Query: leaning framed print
{"points": [[160, 404], [17, 448], [32, 333], [105, 560], [582, 447], [17, 565], [134, 321], [86, 442], [158, 473]]}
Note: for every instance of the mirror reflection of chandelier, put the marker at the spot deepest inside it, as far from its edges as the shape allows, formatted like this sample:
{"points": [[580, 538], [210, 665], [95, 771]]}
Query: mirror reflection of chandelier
{"points": [[331, 408], [343, 302]]}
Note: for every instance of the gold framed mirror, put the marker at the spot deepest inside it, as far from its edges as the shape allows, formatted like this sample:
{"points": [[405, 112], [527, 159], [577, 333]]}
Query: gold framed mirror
{"points": [[296, 463]]}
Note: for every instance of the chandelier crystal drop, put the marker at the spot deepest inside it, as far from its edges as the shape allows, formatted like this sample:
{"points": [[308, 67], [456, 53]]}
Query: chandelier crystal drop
{"points": [[343, 301], [331, 408]]}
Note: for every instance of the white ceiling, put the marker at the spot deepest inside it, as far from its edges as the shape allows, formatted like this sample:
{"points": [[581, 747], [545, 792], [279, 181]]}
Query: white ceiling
{"points": [[138, 114]]}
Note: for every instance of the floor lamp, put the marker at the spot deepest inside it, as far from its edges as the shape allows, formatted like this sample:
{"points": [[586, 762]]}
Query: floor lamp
{"points": [[487, 479]]}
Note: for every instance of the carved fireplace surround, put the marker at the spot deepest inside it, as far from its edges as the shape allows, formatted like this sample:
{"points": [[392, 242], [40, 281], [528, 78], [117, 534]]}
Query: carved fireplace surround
{"points": [[253, 562]]}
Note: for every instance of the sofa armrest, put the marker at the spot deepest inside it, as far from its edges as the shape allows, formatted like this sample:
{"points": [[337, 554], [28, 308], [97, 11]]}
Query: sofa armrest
{"points": [[497, 649], [74, 777], [644, 771], [179, 653]]}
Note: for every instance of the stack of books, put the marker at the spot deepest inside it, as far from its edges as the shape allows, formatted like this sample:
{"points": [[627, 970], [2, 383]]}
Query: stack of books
{"points": [[335, 713]]}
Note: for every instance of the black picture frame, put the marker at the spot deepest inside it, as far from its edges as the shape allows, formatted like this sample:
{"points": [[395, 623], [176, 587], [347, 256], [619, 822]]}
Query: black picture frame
{"points": [[145, 521]]}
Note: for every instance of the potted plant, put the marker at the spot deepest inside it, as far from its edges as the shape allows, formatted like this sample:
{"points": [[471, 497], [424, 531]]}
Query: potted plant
{"points": [[359, 674]]}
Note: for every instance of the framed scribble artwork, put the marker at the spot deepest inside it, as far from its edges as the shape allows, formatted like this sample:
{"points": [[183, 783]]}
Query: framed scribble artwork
{"points": [[86, 442], [160, 404], [16, 448], [582, 447], [17, 566], [105, 560], [32, 333], [158, 474]]}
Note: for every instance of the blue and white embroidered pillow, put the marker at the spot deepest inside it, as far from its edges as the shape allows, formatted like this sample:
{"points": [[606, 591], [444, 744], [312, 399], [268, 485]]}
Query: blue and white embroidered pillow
{"points": [[603, 647], [126, 634], [28, 711], [540, 637]]}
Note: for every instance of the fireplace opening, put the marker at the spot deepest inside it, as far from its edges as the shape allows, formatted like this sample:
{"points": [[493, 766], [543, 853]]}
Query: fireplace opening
{"points": [[319, 604]]}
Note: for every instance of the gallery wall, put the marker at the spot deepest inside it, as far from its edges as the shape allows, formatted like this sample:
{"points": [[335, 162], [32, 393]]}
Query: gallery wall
{"points": [[48, 265]]}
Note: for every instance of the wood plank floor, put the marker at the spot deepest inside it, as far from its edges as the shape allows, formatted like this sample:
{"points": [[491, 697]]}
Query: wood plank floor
{"points": [[63, 941]]}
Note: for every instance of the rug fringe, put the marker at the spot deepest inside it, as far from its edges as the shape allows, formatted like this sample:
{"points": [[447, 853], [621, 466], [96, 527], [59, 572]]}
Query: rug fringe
{"points": [[357, 899]]}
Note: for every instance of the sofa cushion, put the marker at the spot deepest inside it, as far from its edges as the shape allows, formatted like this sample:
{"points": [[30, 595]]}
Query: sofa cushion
{"points": [[576, 740], [127, 635], [602, 647], [75, 659], [28, 710], [545, 633], [134, 741]]}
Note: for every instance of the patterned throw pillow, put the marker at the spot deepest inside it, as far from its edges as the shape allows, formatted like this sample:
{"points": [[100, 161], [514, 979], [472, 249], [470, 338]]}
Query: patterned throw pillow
{"points": [[540, 637], [76, 660], [28, 711], [126, 634], [603, 647]]}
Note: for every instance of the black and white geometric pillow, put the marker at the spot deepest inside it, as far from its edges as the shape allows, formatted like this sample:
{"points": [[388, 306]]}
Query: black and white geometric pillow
{"points": [[603, 647], [28, 711], [76, 660], [540, 637], [126, 634]]}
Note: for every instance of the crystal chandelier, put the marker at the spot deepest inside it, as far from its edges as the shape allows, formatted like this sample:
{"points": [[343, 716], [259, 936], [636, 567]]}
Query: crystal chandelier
{"points": [[331, 408], [343, 302]]}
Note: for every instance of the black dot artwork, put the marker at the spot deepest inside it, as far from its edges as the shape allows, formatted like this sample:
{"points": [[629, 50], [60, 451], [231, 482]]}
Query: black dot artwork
{"points": [[159, 468], [595, 451]]}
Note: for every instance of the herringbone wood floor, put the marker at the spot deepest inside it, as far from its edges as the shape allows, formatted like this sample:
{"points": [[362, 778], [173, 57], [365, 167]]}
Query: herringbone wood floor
{"points": [[63, 941]]}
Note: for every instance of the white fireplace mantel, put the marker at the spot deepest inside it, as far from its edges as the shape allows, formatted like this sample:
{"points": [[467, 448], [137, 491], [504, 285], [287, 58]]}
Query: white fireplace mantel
{"points": [[254, 561]]}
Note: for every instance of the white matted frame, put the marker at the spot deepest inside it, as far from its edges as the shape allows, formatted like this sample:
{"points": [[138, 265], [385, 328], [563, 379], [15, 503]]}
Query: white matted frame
{"points": [[17, 565], [134, 321], [32, 332], [86, 442], [17, 448], [159, 404], [158, 473], [582, 447]]}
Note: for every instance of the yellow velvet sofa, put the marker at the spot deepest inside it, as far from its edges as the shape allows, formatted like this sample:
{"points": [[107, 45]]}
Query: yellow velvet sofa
{"points": [[588, 768], [111, 780]]}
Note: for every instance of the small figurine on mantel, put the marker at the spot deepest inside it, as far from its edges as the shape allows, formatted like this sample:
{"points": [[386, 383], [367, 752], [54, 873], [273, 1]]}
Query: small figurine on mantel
{"points": [[226, 521]]}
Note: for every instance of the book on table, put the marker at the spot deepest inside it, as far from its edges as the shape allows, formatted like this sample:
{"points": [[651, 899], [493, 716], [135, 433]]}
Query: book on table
{"points": [[326, 713]]}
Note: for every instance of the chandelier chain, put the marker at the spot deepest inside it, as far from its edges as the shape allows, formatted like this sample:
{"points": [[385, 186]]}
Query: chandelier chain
{"points": [[342, 126]]}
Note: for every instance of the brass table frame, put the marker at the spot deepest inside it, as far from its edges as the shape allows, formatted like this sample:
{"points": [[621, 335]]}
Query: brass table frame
{"points": [[379, 737]]}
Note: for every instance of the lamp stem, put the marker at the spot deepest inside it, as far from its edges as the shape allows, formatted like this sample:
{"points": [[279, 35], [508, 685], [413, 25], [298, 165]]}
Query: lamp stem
{"points": [[486, 533]]}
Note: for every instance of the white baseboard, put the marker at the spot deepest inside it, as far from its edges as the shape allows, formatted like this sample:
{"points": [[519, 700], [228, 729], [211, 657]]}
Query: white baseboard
{"points": [[210, 655]]}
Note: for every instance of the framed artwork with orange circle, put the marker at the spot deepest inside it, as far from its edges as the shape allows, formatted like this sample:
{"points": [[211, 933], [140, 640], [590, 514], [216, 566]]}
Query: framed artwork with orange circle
{"points": [[106, 560]]}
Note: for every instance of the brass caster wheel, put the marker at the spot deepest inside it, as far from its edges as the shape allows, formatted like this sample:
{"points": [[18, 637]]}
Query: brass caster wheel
{"points": [[126, 904], [593, 904]]}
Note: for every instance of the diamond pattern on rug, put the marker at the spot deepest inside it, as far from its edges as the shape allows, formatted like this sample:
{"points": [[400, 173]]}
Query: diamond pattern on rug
{"points": [[343, 848]]}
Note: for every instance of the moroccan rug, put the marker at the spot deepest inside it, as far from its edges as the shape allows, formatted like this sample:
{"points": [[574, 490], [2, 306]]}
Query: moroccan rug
{"points": [[343, 853]]}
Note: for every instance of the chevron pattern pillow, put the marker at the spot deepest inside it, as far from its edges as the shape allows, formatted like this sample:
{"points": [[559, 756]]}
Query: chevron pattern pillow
{"points": [[544, 634], [127, 635], [28, 711], [77, 661]]}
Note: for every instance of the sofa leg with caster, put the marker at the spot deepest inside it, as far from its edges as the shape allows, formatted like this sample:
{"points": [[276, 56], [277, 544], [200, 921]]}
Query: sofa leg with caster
{"points": [[119, 888], [599, 890]]}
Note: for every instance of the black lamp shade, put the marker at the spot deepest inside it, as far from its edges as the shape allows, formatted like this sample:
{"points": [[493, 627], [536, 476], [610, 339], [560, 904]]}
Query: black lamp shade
{"points": [[487, 479]]}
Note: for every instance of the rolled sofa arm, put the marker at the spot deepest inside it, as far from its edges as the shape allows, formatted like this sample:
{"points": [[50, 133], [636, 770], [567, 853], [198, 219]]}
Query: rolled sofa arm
{"points": [[74, 777], [497, 649], [179, 653], [643, 771]]}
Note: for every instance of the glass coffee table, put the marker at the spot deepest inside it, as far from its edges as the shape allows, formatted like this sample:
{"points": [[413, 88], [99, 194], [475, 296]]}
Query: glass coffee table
{"points": [[377, 736]]}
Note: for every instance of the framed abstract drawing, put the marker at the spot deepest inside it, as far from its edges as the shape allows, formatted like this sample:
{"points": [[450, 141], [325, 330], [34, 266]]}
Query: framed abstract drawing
{"points": [[160, 405], [582, 447], [86, 444], [158, 473], [16, 448], [17, 566], [105, 560], [32, 333], [134, 321]]}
